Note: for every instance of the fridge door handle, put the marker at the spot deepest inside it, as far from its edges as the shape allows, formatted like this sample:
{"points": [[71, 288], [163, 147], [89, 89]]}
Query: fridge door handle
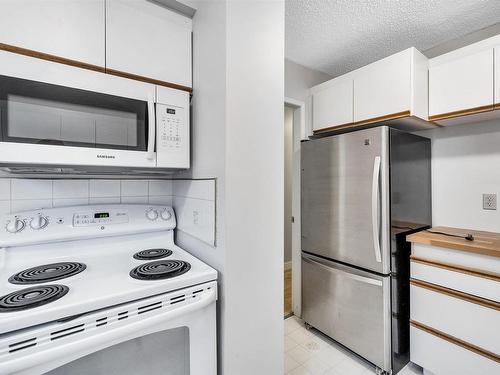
{"points": [[375, 214], [334, 269]]}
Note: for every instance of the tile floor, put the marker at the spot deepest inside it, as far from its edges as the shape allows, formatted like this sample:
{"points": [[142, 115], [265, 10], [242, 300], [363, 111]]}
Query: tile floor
{"points": [[308, 352]]}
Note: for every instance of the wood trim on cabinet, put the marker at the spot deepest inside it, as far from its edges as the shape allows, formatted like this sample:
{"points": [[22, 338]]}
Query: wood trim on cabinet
{"points": [[393, 116], [49, 57], [463, 112], [96, 68], [453, 340], [456, 268], [333, 128], [158, 82], [456, 294]]}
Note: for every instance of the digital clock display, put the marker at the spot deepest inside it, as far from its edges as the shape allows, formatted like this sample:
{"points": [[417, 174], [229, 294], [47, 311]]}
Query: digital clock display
{"points": [[101, 215]]}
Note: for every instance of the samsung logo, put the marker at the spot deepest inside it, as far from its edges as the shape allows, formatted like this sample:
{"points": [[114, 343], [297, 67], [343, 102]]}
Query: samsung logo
{"points": [[105, 156]]}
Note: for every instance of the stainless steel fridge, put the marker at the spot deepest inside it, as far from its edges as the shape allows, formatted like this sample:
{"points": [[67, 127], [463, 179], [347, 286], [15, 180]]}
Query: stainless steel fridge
{"points": [[362, 193]]}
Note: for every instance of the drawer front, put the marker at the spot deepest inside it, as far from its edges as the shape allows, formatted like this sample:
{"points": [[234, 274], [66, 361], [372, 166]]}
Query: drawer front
{"points": [[481, 286], [460, 258], [348, 305], [468, 321], [445, 358]]}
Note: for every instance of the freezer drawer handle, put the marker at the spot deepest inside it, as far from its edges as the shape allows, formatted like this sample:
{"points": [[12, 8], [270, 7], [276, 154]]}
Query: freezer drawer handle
{"points": [[375, 215], [332, 269]]}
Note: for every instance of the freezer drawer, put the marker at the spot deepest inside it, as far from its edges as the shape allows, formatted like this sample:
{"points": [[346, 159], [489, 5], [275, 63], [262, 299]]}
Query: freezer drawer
{"points": [[349, 305]]}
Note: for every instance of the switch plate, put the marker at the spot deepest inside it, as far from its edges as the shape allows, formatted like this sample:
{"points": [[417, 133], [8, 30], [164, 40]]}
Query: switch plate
{"points": [[489, 201]]}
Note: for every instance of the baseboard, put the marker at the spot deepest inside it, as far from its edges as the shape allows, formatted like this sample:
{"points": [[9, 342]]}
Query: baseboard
{"points": [[288, 265]]}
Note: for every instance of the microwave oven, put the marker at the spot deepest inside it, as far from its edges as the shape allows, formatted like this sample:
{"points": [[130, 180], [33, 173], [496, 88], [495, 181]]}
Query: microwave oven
{"points": [[60, 118]]}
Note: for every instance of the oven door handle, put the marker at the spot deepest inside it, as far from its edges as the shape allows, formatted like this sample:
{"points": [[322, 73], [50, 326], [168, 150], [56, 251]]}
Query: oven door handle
{"points": [[151, 128], [94, 342]]}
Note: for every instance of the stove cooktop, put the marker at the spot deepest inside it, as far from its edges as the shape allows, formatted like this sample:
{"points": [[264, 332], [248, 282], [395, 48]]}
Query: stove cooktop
{"points": [[91, 274]]}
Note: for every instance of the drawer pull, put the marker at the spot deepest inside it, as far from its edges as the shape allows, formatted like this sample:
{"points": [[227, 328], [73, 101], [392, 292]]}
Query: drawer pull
{"points": [[473, 348]]}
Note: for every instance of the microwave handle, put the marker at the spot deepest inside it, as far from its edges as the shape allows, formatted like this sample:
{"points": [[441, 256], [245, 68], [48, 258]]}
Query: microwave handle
{"points": [[151, 128]]}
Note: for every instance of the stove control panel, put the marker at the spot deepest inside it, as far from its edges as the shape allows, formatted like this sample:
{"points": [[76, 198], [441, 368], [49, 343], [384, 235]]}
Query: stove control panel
{"points": [[81, 222], [100, 217]]}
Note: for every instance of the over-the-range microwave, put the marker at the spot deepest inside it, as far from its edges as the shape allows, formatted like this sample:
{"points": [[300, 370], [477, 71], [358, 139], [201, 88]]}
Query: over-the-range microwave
{"points": [[60, 118]]}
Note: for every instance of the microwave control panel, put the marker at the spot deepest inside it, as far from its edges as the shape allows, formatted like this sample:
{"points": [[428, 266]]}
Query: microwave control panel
{"points": [[172, 137]]}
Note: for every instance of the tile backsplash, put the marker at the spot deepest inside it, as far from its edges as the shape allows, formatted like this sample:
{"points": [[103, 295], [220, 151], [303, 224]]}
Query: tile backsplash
{"points": [[193, 200], [27, 194]]}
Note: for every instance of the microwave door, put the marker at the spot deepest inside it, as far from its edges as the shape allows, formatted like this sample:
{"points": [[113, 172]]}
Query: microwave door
{"points": [[47, 124]]}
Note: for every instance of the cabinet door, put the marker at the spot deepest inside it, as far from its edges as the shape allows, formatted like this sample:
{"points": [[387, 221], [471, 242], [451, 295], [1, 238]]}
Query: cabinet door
{"points": [[148, 40], [333, 106], [71, 29], [383, 88], [461, 84], [497, 76]]}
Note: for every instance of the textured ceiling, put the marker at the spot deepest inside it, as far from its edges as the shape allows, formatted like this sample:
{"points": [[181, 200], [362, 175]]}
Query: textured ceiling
{"points": [[337, 36]]}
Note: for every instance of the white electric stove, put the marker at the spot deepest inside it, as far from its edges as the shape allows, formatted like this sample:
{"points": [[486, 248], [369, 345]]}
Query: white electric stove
{"points": [[103, 290]]}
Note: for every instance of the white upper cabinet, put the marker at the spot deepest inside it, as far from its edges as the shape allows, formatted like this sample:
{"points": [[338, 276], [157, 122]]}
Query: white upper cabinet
{"points": [[147, 40], [392, 87], [70, 29], [497, 77], [461, 84], [332, 105]]}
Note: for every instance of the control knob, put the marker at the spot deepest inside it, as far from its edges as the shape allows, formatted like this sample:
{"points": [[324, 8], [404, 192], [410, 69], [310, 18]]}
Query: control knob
{"points": [[152, 214], [166, 214], [39, 222], [15, 225]]}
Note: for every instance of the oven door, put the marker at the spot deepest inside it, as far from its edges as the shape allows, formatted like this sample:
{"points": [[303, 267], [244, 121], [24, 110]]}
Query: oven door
{"points": [[173, 334], [52, 114]]}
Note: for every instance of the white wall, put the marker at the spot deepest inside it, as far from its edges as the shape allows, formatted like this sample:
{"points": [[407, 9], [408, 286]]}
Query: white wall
{"points": [[208, 126], [298, 80], [465, 164], [254, 188], [237, 127], [208, 121]]}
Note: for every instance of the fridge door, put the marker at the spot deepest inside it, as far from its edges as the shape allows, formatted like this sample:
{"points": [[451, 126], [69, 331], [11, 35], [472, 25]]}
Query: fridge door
{"points": [[345, 198], [349, 305]]}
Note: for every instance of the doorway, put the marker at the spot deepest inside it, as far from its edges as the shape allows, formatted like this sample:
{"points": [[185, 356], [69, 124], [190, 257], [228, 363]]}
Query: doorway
{"points": [[288, 217], [293, 131]]}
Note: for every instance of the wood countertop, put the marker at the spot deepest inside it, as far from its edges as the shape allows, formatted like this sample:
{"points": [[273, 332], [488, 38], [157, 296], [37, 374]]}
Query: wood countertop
{"points": [[485, 243]]}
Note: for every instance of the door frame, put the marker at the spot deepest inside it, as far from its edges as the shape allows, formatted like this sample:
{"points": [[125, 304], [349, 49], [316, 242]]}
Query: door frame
{"points": [[299, 133]]}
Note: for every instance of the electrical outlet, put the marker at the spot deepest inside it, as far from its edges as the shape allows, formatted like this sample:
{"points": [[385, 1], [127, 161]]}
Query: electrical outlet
{"points": [[489, 201]]}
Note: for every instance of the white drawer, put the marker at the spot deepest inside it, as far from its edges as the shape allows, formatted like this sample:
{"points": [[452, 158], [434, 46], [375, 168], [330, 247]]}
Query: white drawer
{"points": [[466, 320], [470, 283], [460, 258], [445, 358]]}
